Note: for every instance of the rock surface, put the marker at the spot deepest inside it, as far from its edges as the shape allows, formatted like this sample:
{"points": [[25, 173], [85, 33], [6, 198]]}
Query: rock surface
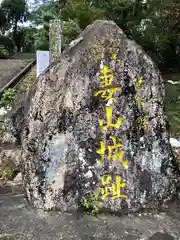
{"points": [[94, 123]]}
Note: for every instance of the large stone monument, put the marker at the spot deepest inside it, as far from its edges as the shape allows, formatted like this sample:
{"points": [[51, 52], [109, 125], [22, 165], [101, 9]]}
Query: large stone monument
{"points": [[94, 123]]}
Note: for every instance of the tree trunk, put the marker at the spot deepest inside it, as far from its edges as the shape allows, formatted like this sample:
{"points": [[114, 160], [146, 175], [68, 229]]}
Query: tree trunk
{"points": [[15, 31]]}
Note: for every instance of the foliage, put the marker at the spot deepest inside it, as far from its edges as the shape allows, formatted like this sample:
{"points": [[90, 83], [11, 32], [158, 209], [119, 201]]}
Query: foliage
{"points": [[7, 98], [20, 37], [17, 11], [172, 105], [90, 204], [154, 24], [41, 17], [44, 14], [71, 27], [7, 43], [41, 40], [81, 11], [3, 52], [3, 20], [6, 170], [29, 39], [71, 30]]}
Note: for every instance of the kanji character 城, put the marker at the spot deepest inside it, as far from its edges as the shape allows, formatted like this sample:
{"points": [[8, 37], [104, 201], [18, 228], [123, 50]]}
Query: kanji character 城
{"points": [[114, 152]]}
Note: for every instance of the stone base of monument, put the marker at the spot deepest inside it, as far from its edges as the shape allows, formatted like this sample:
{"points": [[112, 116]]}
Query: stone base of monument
{"points": [[94, 124]]}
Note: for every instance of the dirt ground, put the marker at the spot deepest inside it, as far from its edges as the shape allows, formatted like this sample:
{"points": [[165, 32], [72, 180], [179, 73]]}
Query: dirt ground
{"points": [[18, 221], [10, 67]]}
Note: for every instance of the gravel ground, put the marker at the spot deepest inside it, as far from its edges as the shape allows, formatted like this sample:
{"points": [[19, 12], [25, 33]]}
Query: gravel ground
{"points": [[24, 56], [9, 68], [26, 82], [18, 221]]}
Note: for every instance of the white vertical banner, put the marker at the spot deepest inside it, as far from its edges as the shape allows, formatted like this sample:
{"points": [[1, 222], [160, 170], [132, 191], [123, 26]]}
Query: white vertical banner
{"points": [[42, 61]]}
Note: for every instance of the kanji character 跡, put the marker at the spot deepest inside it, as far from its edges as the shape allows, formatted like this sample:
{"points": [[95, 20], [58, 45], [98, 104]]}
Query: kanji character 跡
{"points": [[114, 189]]}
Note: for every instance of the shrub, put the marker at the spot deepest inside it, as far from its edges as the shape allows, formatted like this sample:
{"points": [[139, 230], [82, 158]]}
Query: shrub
{"points": [[7, 43], [90, 204], [7, 98], [71, 30], [29, 39], [7, 170], [4, 53]]}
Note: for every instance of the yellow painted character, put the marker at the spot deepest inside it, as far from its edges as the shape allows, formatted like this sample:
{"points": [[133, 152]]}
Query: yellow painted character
{"points": [[106, 75], [140, 101], [114, 190], [143, 121], [114, 57], [107, 94], [114, 152], [101, 151], [139, 83], [119, 122]]}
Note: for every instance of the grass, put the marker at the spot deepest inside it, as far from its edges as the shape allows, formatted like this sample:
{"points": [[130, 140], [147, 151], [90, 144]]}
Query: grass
{"points": [[7, 170], [90, 204]]}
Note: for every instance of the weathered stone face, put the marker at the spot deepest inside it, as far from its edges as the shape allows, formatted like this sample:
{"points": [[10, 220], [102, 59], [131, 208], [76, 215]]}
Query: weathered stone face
{"points": [[95, 124], [55, 39]]}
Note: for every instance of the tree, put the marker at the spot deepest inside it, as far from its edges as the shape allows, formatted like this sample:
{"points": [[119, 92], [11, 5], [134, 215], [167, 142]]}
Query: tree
{"points": [[160, 36], [3, 20], [30, 39], [17, 11], [41, 17], [154, 24], [71, 30], [81, 11]]}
